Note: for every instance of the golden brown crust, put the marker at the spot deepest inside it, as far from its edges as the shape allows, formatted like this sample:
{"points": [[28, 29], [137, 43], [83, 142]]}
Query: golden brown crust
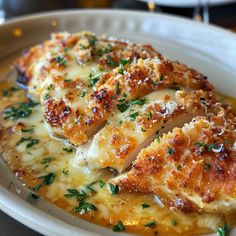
{"points": [[194, 165]]}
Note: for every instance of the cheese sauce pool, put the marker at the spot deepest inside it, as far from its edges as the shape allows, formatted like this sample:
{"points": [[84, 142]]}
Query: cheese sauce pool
{"points": [[49, 168]]}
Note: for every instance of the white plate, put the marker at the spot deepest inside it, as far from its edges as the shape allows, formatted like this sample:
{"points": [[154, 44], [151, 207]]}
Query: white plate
{"points": [[209, 49], [188, 3]]}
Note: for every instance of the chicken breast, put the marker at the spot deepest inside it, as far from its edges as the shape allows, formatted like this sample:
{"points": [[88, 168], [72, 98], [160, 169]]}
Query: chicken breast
{"points": [[122, 138], [190, 168], [81, 80]]}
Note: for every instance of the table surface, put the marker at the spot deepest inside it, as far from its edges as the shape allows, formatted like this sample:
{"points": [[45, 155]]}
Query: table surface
{"points": [[11, 227], [224, 16]]}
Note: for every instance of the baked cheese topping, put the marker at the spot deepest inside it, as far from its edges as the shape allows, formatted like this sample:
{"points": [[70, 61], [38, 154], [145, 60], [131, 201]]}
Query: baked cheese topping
{"points": [[94, 104]]}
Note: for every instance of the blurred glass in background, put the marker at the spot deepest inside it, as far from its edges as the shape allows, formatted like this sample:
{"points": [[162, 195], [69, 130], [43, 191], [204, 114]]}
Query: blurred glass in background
{"points": [[220, 14]]}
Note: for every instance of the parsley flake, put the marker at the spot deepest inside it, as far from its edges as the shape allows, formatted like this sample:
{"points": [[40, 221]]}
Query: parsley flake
{"points": [[30, 141], [85, 207], [21, 110], [223, 230], [114, 189], [47, 180], [145, 205], [151, 224], [133, 116], [170, 151], [118, 227]]}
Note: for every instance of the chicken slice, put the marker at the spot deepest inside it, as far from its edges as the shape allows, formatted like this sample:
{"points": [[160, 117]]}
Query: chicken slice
{"points": [[190, 168], [120, 141]]}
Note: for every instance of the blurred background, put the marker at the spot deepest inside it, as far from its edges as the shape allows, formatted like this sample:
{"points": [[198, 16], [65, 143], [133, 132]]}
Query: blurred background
{"points": [[218, 12]]}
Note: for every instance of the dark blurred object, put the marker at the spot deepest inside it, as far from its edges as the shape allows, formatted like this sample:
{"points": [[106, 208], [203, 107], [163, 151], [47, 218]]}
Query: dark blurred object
{"points": [[20, 7], [222, 15]]}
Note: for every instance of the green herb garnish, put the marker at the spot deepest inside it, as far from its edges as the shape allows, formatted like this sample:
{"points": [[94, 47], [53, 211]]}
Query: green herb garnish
{"points": [[140, 102], [46, 161], [133, 116], [118, 227], [21, 110], [117, 88], [151, 224], [114, 189], [47, 180], [93, 80], [173, 222], [145, 205], [8, 92], [110, 62], [124, 62], [123, 106], [170, 151], [68, 149], [93, 41], [30, 141], [65, 172], [101, 183], [85, 207], [223, 230], [61, 60], [83, 93], [33, 196]]}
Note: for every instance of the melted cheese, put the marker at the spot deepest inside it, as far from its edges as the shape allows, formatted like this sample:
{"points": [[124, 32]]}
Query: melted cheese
{"points": [[28, 164]]}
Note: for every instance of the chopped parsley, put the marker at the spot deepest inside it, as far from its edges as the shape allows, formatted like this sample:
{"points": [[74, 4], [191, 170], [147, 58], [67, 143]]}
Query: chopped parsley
{"points": [[114, 189], [110, 62], [30, 141], [67, 149], [223, 230], [133, 116], [33, 196], [101, 183], [118, 227], [46, 96], [123, 106], [124, 62], [161, 78], [83, 93], [6, 93], [176, 88], [61, 60], [93, 41], [93, 80], [207, 166], [47, 180], [170, 151], [117, 88], [149, 115], [30, 130], [173, 222], [179, 167], [145, 205], [46, 161], [121, 71], [89, 186], [151, 224], [21, 110], [65, 172], [143, 130], [67, 80], [72, 192], [208, 147], [140, 102], [85, 207], [158, 139]]}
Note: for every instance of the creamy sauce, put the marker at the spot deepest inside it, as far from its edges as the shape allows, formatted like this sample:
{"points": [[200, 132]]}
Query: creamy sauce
{"points": [[53, 156]]}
